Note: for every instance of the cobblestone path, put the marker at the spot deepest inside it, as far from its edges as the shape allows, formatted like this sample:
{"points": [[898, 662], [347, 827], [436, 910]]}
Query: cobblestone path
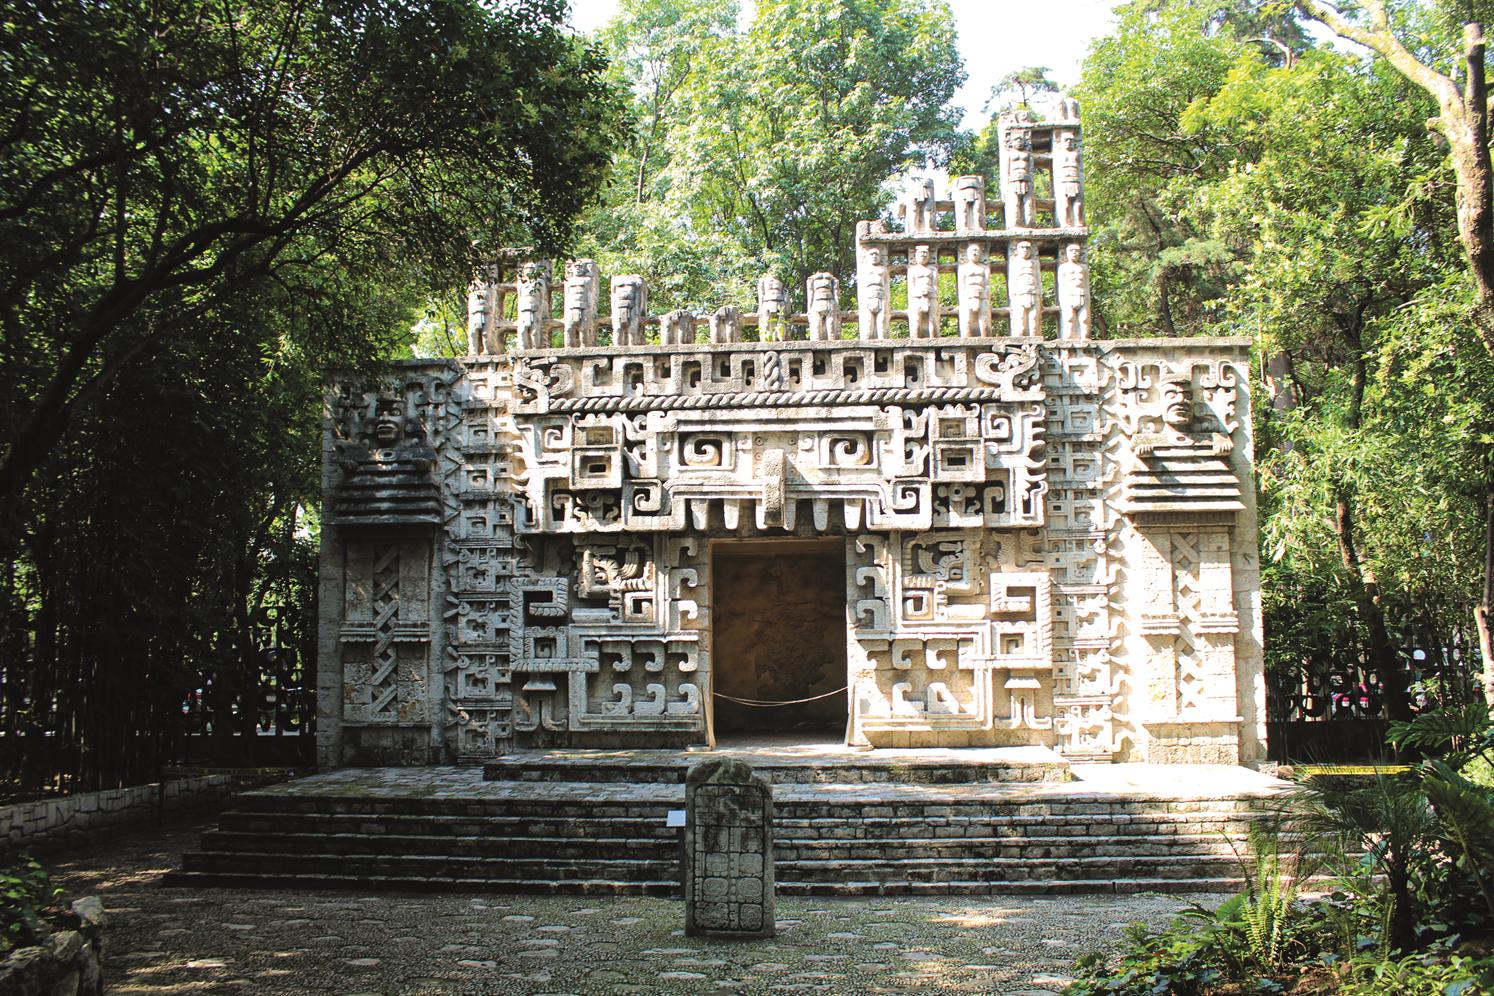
{"points": [[164, 940]]}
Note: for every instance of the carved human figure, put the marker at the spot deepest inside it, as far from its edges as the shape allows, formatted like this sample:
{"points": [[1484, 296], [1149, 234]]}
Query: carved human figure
{"points": [[873, 295], [918, 207], [1179, 428], [386, 460], [923, 294], [677, 328], [726, 324], [582, 285], [873, 306], [629, 302], [1068, 108], [1017, 177], [823, 294], [1073, 293], [772, 308], [1024, 282], [1068, 191], [970, 203], [534, 305], [482, 313], [974, 279]]}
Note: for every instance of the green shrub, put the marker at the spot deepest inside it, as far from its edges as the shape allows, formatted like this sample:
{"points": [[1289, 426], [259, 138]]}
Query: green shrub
{"points": [[1438, 971], [25, 892], [1179, 960]]}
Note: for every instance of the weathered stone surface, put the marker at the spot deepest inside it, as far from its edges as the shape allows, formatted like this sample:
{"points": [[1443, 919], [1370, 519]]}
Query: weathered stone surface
{"points": [[729, 883], [1048, 540], [66, 962], [52, 824]]}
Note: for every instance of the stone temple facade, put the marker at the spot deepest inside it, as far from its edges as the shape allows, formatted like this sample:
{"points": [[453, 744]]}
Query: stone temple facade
{"points": [[946, 517]]}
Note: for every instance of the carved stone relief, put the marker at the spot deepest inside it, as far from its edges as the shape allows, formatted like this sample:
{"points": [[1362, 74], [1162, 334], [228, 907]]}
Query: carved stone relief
{"points": [[1047, 542]]}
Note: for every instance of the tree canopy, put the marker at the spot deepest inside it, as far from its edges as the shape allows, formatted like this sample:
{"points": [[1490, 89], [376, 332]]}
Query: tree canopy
{"points": [[759, 148], [202, 207], [1247, 180]]}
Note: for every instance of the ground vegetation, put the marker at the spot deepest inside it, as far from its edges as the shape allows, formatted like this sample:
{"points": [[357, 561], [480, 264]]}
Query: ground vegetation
{"points": [[1373, 884]]}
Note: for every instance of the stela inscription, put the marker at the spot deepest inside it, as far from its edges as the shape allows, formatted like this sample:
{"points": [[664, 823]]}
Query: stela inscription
{"points": [[728, 851]]}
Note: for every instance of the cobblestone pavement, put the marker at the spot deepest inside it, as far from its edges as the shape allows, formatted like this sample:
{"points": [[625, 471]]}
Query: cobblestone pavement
{"points": [[167, 940]]}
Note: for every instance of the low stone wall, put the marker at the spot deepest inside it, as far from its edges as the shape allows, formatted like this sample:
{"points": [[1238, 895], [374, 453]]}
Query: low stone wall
{"points": [[51, 824], [67, 961]]}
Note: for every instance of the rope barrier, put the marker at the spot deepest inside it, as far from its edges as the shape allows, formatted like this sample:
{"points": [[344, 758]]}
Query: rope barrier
{"points": [[770, 703]]}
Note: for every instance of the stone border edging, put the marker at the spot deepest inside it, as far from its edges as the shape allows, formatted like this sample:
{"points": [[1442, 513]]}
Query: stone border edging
{"points": [[66, 961], [52, 824]]}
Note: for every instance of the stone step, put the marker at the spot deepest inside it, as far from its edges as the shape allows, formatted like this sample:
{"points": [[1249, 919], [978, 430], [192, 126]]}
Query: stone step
{"points": [[1142, 825], [449, 830], [939, 870], [829, 801], [402, 824], [559, 848], [1029, 888], [835, 805], [598, 887], [577, 806], [889, 849], [894, 850], [956, 823], [431, 866], [420, 883], [840, 773], [904, 872], [1038, 861]]}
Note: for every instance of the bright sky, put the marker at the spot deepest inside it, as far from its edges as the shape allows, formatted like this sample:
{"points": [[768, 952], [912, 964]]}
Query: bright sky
{"points": [[995, 37]]}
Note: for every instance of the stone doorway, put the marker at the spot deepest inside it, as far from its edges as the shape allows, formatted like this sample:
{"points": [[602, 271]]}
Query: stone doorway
{"points": [[778, 620]]}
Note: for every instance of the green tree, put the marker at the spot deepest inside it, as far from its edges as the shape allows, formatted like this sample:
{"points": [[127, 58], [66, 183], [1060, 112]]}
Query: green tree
{"points": [[1426, 59], [204, 208], [1152, 268], [157, 156], [1018, 87], [776, 139]]}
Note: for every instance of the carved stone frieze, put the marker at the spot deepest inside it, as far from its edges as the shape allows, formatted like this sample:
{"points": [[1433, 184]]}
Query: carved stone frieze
{"points": [[1047, 541]]}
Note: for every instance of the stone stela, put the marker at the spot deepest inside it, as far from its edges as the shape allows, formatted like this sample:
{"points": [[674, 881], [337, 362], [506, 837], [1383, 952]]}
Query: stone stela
{"points": [[1047, 539], [728, 866]]}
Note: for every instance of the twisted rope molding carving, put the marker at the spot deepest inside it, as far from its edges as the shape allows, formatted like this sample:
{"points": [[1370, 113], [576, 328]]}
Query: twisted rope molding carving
{"points": [[785, 399]]}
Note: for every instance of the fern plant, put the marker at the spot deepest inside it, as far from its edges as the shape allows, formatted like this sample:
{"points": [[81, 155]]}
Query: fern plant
{"points": [[1466, 813], [1253, 931], [1380, 839]]}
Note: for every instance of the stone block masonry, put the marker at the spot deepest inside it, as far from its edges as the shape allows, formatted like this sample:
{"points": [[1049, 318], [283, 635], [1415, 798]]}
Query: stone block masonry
{"points": [[53, 824], [68, 961], [1048, 540]]}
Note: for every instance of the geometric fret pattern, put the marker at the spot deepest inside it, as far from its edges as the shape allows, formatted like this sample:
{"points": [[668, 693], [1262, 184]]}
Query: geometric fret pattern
{"points": [[386, 611]]}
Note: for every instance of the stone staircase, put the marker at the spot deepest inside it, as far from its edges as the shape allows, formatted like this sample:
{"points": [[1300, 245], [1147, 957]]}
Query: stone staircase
{"points": [[860, 828]]}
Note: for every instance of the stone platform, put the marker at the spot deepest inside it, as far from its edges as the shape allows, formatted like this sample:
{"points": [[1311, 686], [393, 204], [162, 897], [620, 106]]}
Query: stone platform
{"points": [[1111, 828], [784, 762]]}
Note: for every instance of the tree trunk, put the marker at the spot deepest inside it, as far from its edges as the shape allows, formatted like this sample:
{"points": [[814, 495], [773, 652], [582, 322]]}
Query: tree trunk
{"points": [[1475, 176], [1483, 614]]}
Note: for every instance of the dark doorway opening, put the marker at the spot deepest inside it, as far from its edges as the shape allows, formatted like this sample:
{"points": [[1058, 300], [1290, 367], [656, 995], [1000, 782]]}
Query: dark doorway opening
{"points": [[778, 620]]}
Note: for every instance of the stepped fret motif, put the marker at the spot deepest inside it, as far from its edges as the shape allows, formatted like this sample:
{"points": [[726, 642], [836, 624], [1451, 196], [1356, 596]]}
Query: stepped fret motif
{"points": [[1047, 539]]}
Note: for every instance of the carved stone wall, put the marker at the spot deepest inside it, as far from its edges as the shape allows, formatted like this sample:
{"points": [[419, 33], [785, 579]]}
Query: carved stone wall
{"points": [[1048, 541]]}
